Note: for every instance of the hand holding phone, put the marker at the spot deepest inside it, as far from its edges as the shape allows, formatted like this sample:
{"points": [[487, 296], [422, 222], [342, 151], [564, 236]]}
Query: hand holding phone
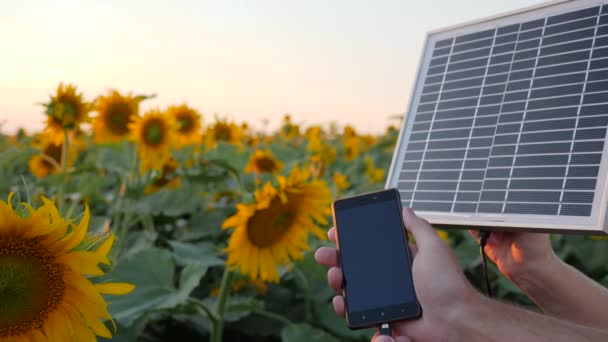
{"points": [[375, 260], [441, 286]]}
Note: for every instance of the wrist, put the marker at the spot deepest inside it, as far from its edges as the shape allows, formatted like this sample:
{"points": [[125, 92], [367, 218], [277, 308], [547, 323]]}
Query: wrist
{"points": [[534, 273], [463, 319]]}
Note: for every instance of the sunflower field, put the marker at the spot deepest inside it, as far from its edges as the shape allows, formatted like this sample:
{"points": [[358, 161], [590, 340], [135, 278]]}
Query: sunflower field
{"points": [[170, 225]]}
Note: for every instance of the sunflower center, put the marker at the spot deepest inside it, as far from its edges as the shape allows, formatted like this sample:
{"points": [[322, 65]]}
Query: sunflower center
{"points": [[117, 118], [268, 226], [31, 285], [265, 164], [153, 132], [67, 111], [222, 132], [53, 151], [185, 123], [166, 175]]}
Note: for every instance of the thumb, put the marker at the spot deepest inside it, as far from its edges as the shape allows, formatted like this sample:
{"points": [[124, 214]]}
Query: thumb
{"points": [[421, 229]]}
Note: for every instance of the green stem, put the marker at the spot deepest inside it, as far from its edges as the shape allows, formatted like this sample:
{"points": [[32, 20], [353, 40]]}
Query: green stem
{"points": [[204, 308], [119, 222], [64, 167], [218, 327], [307, 295], [274, 316]]}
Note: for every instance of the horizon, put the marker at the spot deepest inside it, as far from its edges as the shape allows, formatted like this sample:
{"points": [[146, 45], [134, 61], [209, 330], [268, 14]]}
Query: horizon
{"points": [[352, 62]]}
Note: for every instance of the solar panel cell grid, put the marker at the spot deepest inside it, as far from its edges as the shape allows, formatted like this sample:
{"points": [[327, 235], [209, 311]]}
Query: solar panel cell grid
{"points": [[512, 119]]}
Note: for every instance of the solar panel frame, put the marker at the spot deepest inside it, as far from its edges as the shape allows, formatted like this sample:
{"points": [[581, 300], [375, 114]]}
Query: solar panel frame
{"points": [[468, 72]]}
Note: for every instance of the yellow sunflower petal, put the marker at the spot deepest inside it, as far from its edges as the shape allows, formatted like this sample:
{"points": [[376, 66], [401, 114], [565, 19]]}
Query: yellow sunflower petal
{"points": [[115, 288], [36, 336], [84, 262], [106, 246], [63, 304], [75, 237], [56, 328]]}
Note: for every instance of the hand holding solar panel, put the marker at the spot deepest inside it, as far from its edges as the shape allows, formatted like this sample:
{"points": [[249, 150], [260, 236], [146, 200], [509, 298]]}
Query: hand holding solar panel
{"points": [[507, 123]]}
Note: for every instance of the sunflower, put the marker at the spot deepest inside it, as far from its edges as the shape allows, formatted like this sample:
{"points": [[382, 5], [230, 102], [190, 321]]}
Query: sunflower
{"points": [[368, 141], [49, 161], [225, 131], [65, 111], [352, 148], [341, 181], [114, 113], [374, 174], [289, 130], [274, 229], [349, 132], [188, 123], [443, 235], [314, 131], [50, 158], [153, 134], [263, 161], [320, 161], [166, 179], [45, 291], [315, 141]]}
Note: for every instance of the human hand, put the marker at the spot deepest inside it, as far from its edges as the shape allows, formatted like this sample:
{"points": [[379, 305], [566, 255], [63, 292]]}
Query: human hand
{"points": [[517, 254], [441, 286]]}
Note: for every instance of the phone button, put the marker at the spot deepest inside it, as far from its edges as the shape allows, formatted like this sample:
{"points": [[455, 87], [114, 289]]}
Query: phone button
{"points": [[363, 317], [382, 313]]}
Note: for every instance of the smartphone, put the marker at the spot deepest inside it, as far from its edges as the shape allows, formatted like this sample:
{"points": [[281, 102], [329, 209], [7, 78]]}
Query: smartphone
{"points": [[375, 259]]}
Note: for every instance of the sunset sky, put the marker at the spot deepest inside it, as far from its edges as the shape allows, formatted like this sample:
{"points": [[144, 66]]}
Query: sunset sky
{"points": [[343, 60]]}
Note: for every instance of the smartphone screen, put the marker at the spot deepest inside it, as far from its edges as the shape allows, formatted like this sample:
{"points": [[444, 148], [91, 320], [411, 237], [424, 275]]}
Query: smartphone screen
{"points": [[375, 259]]}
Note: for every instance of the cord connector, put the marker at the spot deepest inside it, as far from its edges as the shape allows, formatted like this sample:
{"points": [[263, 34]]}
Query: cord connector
{"points": [[385, 329]]}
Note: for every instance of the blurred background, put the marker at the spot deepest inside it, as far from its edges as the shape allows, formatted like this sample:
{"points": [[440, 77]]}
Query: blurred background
{"points": [[339, 60]]}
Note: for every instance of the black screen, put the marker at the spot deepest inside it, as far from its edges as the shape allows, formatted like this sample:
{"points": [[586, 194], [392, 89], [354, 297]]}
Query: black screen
{"points": [[374, 256]]}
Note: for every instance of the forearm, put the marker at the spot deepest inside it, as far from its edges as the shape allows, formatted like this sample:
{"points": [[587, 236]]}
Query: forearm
{"points": [[489, 320], [560, 290]]}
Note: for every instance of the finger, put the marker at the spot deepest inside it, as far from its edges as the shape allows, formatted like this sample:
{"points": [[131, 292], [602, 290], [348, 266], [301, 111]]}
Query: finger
{"points": [[421, 229], [402, 339], [327, 256], [383, 338], [334, 278], [338, 303], [331, 234]]}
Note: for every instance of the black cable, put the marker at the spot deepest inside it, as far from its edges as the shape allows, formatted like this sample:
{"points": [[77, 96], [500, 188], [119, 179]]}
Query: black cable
{"points": [[483, 238]]}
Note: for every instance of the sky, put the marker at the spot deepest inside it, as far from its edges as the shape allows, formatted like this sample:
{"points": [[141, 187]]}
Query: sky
{"points": [[349, 61]]}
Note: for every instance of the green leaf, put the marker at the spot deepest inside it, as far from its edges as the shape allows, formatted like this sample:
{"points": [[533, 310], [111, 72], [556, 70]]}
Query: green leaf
{"points": [[467, 253], [337, 325], [140, 240], [114, 159], [204, 254], [189, 279], [169, 202], [202, 224], [237, 307], [151, 271], [605, 281], [305, 333]]}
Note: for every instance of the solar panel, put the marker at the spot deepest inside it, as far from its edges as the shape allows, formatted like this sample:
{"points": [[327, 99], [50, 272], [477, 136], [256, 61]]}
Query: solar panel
{"points": [[507, 122]]}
